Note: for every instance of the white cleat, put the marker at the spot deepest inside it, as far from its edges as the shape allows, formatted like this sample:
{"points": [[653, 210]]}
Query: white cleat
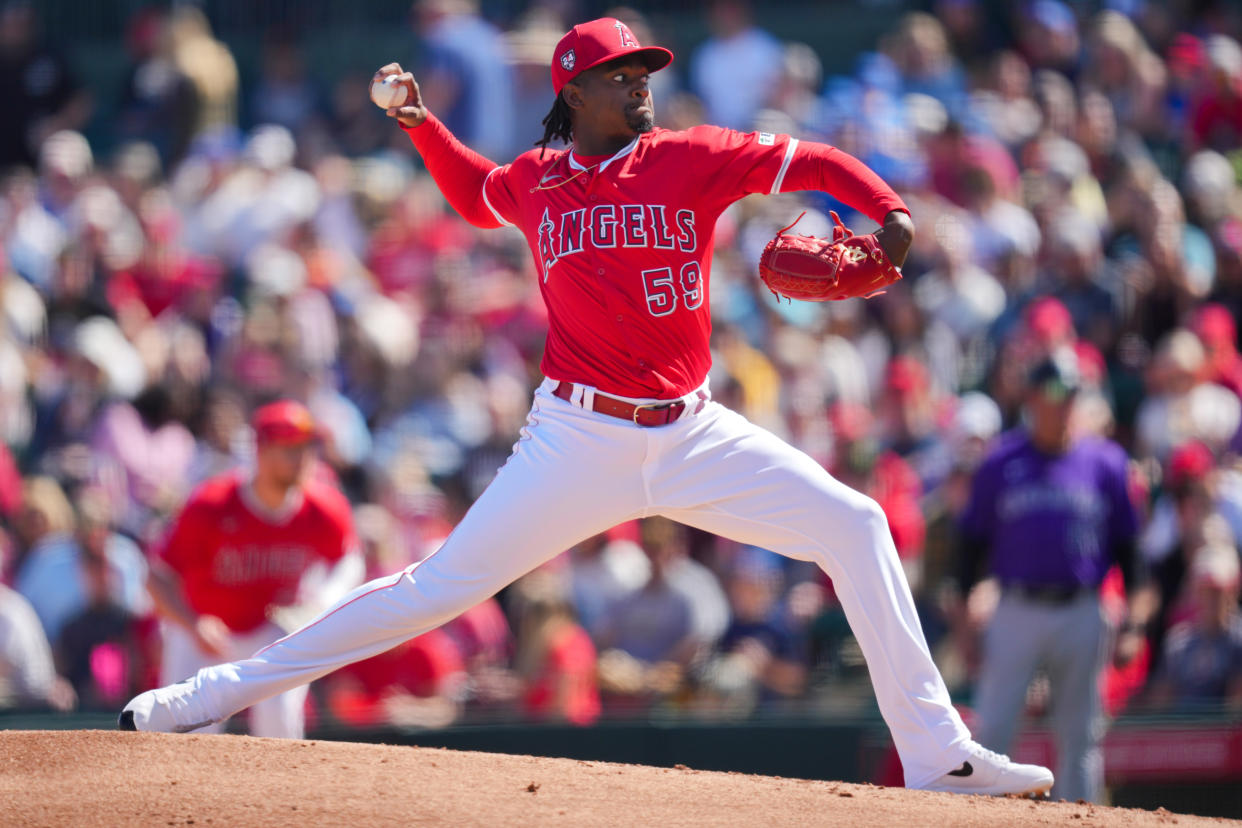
{"points": [[993, 774], [171, 709]]}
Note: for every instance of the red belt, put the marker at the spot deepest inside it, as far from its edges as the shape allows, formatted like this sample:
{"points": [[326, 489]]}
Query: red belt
{"points": [[643, 414]]}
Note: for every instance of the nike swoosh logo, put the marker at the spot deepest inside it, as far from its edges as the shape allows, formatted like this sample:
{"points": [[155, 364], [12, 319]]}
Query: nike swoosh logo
{"points": [[964, 770]]}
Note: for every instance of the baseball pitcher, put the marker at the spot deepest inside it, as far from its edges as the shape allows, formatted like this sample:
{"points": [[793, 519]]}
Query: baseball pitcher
{"points": [[624, 426]]}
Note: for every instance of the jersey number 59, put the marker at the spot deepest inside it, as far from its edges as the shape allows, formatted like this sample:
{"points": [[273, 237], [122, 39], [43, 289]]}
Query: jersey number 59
{"points": [[662, 292]]}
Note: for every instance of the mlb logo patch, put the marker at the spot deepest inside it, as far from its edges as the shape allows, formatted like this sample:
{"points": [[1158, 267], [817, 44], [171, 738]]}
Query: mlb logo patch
{"points": [[568, 60], [766, 139]]}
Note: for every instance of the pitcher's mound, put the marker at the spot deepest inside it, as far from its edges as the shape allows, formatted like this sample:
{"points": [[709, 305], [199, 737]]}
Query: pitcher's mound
{"points": [[112, 778]]}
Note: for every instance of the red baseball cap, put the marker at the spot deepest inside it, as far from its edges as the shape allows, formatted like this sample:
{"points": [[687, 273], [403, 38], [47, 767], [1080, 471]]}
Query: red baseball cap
{"points": [[1189, 462], [1214, 324], [587, 45], [906, 375], [285, 421], [1049, 320]]}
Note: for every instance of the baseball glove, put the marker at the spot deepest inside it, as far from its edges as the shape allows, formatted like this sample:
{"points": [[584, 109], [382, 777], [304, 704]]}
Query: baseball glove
{"points": [[821, 270]]}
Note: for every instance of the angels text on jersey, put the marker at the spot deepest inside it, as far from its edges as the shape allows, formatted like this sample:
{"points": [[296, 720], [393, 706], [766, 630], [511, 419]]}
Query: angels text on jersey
{"points": [[650, 226]]}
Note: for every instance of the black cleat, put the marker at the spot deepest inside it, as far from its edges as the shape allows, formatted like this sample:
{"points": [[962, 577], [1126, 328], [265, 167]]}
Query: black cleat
{"points": [[125, 721]]}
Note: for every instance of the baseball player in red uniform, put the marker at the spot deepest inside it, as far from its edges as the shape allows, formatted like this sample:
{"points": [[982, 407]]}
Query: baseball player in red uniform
{"points": [[246, 545], [624, 426]]}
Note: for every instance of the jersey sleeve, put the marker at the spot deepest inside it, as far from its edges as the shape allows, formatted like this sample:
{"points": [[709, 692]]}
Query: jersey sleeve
{"points": [[814, 166], [182, 544], [739, 164], [978, 520], [730, 165], [461, 174], [500, 195]]}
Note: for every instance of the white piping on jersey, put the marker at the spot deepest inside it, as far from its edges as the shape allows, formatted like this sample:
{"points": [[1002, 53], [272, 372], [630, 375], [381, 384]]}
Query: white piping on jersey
{"points": [[780, 176], [488, 202], [621, 153]]}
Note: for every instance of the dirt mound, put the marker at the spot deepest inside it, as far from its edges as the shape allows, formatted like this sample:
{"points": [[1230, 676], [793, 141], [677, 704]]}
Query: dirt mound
{"points": [[111, 778]]}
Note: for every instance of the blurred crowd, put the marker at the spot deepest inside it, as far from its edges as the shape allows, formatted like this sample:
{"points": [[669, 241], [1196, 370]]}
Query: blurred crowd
{"points": [[1072, 170]]}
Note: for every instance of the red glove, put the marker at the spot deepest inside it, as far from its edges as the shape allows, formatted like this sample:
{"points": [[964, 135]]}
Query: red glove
{"points": [[820, 270]]}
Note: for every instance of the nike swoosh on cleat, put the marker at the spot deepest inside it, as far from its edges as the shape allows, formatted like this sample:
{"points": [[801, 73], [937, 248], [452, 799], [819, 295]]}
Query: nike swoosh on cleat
{"points": [[195, 726], [964, 770]]}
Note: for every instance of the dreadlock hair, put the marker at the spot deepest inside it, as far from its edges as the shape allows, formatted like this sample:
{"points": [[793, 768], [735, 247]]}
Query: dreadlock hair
{"points": [[556, 125]]}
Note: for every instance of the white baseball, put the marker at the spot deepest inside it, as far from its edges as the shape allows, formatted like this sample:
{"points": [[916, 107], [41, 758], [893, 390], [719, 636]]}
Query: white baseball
{"points": [[388, 92]]}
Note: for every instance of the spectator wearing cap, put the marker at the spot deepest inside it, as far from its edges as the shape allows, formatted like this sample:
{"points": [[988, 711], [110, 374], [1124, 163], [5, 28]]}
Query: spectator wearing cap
{"points": [[251, 556], [1216, 115], [1199, 506], [908, 409], [1031, 332], [759, 659], [1217, 330], [1051, 512], [859, 461], [1202, 663]]}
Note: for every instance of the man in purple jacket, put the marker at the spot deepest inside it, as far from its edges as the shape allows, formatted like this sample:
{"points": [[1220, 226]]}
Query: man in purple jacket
{"points": [[1051, 512]]}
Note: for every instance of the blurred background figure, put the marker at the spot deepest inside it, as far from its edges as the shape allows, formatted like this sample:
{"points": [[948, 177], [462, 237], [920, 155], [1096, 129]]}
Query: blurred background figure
{"points": [[210, 68], [38, 90], [603, 569], [110, 647], [736, 69], [27, 673], [159, 102], [467, 74], [419, 683], [759, 660], [253, 556], [1051, 512], [650, 639], [555, 659], [1202, 664], [73, 559]]}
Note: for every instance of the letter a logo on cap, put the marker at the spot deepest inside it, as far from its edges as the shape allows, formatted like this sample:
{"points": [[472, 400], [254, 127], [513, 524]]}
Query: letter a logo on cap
{"points": [[568, 59], [627, 37]]}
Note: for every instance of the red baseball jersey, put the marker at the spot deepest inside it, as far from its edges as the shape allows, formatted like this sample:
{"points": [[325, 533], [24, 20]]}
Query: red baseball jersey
{"points": [[235, 561], [623, 244]]}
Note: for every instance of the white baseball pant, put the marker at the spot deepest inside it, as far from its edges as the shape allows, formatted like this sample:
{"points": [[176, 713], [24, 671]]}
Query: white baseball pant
{"points": [[281, 716], [575, 473]]}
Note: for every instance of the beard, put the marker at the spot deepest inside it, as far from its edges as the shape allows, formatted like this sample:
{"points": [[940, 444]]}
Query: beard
{"points": [[640, 120]]}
